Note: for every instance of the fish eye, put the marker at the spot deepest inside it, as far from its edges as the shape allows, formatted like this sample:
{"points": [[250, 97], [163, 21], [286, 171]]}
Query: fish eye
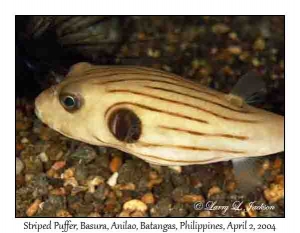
{"points": [[70, 102], [125, 125]]}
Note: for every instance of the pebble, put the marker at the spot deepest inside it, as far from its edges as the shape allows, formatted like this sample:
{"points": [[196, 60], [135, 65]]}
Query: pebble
{"points": [[274, 193], [179, 192], [213, 190], [227, 71], [205, 214], [33, 208], [195, 181], [56, 183], [162, 208], [281, 65], [191, 198], [135, 205], [255, 62], [148, 198], [142, 186], [112, 181], [68, 173], [58, 191], [20, 180], [153, 53], [24, 140], [244, 56], [19, 147], [233, 36], [101, 192], [19, 166], [22, 125], [28, 178], [251, 212], [77, 189], [131, 171], [93, 183], [46, 133], [115, 164], [266, 164], [124, 213], [178, 179], [259, 44], [243, 214], [164, 189], [154, 182], [54, 152], [32, 164], [63, 214], [196, 63], [89, 197], [231, 186], [141, 36], [52, 173], [94, 215], [128, 187], [71, 181], [235, 50], [81, 172], [58, 165], [178, 169], [112, 206], [138, 214], [279, 179], [277, 163], [103, 159], [84, 153], [220, 28], [43, 157], [153, 175], [178, 210]]}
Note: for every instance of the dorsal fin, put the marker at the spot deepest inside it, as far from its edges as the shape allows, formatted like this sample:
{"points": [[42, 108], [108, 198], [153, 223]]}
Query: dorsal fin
{"points": [[78, 69]]}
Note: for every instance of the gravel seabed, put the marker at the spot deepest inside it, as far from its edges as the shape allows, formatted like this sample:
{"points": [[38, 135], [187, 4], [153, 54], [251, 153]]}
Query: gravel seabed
{"points": [[57, 176]]}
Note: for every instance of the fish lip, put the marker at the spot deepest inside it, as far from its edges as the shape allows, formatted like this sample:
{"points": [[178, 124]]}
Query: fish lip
{"points": [[37, 110], [37, 113]]}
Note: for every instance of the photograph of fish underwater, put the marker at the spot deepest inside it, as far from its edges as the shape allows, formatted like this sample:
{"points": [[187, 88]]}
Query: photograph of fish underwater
{"points": [[150, 116]]}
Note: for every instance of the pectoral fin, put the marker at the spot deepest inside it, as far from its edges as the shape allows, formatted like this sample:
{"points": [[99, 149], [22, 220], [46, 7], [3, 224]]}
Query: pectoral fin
{"points": [[249, 89], [246, 174]]}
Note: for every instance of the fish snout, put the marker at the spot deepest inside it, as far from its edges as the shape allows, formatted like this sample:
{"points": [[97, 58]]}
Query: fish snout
{"points": [[43, 104]]}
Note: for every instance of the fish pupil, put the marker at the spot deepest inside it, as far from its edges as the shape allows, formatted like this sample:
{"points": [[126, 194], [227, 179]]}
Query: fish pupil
{"points": [[125, 125], [69, 101]]}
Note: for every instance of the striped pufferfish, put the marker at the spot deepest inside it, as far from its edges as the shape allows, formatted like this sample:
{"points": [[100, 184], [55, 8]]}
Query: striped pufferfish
{"points": [[158, 116]]}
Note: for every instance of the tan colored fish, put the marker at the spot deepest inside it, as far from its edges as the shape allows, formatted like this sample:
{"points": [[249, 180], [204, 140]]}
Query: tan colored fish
{"points": [[157, 116]]}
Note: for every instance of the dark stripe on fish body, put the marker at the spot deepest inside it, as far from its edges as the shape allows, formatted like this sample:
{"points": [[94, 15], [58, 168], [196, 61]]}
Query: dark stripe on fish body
{"points": [[141, 70], [198, 89], [197, 98], [180, 103], [156, 110], [183, 147], [203, 134]]}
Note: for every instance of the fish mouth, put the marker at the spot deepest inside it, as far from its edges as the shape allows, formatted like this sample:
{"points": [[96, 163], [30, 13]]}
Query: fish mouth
{"points": [[38, 113], [38, 106]]}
